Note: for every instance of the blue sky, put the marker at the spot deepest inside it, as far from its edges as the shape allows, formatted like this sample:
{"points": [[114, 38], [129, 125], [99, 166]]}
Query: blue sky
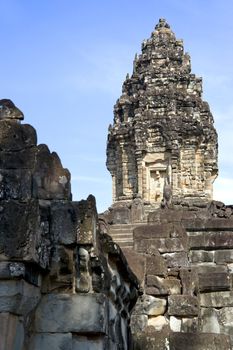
{"points": [[63, 64]]}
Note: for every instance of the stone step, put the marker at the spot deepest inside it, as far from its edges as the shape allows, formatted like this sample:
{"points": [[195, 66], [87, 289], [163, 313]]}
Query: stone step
{"points": [[122, 227], [120, 239], [125, 244], [130, 226], [123, 237], [113, 234], [120, 230], [120, 233]]}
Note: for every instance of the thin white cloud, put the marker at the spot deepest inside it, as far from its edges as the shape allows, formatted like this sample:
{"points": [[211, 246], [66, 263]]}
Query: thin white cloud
{"points": [[84, 178], [91, 159], [106, 69]]}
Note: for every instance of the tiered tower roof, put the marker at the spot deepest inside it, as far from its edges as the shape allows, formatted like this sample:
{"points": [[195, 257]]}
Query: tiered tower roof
{"points": [[161, 118]]}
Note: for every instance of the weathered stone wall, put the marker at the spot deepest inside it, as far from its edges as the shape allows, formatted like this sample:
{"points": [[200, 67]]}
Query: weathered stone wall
{"points": [[63, 283], [183, 257], [162, 141]]}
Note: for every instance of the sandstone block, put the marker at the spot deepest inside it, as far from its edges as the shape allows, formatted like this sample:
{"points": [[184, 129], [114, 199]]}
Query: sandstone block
{"points": [[61, 269], [15, 136], [222, 239], [24, 159], [136, 262], [195, 224], [50, 179], [219, 224], [188, 215], [18, 297], [87, 220], [171, 215], [170, 245], [189, 280], [162, 286], [214, 281], [120, 215], [17, 237], [64, 222], [189, 325], [175, 324], [158, 323], [163, 245], [216, 299], [54, 341], [209, 321], [152, 231], [92, 343], [150, 306], [207, 268], [23, 238], [155, 265], [179, 259], [214, 240], [199, 256], [196, 240], [146, 246], [223, 256], [183, 305], [225, 316], [11, 332], [151, 340], [204, 341], [213, 224], [178, 231], [78, 313], [138, 323], [15, 184]]}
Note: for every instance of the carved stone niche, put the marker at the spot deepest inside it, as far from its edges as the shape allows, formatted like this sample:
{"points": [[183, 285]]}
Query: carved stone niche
{"points": [[156, 172]]}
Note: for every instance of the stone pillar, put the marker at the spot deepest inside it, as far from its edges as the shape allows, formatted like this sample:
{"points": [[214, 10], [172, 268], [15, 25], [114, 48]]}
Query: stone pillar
{"points": [[113, 188], [140, 177]]}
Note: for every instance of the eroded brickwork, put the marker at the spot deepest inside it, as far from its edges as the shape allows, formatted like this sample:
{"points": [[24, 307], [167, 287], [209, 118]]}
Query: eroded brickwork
{"points": [[186, 276]]}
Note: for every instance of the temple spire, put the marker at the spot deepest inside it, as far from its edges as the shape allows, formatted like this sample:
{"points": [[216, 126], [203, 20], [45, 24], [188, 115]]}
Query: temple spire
{"points": [[162, 127]]}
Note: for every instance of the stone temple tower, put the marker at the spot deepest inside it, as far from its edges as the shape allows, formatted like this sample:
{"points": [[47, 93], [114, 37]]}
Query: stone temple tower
{"points": [[163, 144]]}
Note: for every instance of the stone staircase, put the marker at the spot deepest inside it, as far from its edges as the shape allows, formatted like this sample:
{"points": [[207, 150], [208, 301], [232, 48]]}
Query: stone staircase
{"points": [[122, 234]]}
